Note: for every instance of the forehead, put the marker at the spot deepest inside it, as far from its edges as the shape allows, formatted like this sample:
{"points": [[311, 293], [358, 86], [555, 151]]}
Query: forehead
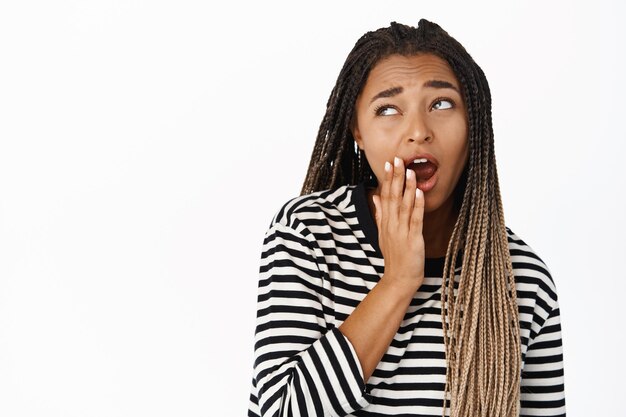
{"points": [[399, 70]]}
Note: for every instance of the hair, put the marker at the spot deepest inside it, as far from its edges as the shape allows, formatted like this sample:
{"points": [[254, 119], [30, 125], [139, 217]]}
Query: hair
{"points": [[481, 321]]}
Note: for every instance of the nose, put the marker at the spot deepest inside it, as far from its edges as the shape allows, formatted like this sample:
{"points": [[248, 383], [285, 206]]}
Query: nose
{"points": [[418, 129]]}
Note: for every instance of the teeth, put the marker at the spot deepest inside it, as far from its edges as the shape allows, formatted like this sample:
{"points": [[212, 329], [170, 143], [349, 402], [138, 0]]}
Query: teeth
{"points": [[420, 161]]}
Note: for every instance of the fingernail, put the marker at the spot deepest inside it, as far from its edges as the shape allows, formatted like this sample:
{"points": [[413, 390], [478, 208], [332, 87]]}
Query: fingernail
{"points": [[396, 161], [418, 192], [409, 173], [387, 166]]}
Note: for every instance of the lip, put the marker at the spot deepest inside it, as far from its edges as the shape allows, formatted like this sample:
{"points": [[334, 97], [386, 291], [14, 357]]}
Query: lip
{"points": [[430, 183], [429, 157]]}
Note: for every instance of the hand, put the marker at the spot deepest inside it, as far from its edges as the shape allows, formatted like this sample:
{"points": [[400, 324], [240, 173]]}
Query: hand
{"points": [[399, 217]]}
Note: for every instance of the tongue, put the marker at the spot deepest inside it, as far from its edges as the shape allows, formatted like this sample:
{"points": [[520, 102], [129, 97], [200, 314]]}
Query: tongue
{"points": [[424, 170]]}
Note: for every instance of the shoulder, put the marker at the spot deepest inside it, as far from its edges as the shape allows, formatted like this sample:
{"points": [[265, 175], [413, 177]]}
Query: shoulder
{"points": [[530, 270], [302, 211]]}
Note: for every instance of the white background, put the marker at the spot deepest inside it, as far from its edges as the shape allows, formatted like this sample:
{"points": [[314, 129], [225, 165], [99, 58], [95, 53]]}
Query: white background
{"points": [[145, 146]]}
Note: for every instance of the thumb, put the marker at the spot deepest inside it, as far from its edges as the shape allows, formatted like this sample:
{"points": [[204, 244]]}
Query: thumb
{"points": [[378, 214]]}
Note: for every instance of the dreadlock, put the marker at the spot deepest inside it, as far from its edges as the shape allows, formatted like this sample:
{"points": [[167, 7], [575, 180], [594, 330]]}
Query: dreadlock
{"points": [[479, 309]]}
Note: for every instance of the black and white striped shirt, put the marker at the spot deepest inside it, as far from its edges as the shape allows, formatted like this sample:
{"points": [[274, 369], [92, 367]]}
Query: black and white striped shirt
{"points": [[320, 259]]}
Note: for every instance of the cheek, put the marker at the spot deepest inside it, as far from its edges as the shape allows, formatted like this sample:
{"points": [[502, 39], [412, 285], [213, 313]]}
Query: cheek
{"points": [[460, 150], [377, 150], [377, 164]]}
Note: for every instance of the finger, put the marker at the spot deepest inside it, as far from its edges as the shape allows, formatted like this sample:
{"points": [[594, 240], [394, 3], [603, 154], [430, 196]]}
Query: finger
{"points": [[385, 191], [397, 188], [408, 200], [417, 217]]}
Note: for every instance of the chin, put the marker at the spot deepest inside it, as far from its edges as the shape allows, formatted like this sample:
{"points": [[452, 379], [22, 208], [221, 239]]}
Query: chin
{"points": [[433, 203], [430, 206]]}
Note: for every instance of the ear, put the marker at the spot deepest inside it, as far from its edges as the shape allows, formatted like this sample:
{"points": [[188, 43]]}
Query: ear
{"points": [[356, 134]]}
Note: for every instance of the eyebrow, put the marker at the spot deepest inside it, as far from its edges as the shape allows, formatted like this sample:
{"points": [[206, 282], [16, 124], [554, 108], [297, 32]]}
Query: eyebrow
{"points": [[390, 92], [394, 91]]}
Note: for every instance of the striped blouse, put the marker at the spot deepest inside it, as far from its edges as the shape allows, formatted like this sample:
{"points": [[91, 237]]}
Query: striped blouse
{"points": [[320, 258]]}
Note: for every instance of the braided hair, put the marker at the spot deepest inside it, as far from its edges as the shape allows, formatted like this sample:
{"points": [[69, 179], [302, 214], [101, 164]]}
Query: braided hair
{"points": [[481, 321]]}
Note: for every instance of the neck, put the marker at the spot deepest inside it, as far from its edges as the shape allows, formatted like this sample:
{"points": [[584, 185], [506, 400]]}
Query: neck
{"points": [[437, 229]]}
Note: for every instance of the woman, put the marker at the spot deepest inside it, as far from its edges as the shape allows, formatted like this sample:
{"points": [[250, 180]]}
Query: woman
{"points": [[386, 287]]}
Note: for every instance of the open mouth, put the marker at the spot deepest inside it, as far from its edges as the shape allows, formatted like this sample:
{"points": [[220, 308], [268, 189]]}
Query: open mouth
{"points": [[423, 168]]}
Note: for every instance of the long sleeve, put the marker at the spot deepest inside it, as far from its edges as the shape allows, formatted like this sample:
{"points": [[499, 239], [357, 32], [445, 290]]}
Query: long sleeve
{"points": [[542, 388], [303, 366]]}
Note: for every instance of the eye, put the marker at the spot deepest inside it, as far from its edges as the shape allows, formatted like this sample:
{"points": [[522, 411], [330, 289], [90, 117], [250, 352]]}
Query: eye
{"points": [[386, 110], [439, 101]]}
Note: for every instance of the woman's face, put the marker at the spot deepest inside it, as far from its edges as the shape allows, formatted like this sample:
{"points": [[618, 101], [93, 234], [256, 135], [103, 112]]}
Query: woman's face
{"points": [[412, 108]]}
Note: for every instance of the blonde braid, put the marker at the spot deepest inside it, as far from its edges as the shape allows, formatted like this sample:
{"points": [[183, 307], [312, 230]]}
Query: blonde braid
{"points": [[483, 381]]}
